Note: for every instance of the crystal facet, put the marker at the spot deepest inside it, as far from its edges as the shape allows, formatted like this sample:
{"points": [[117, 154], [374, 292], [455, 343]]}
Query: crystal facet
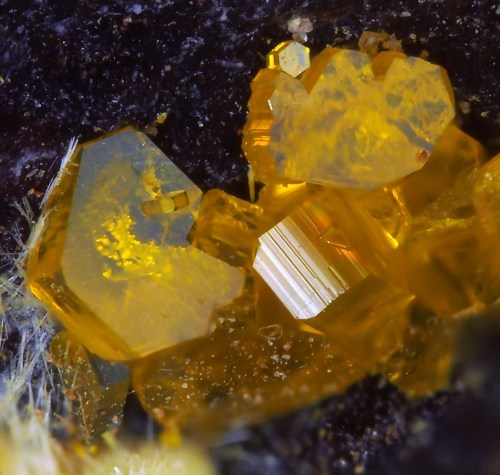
{"points": [[372, 238], [290, 57], [112, 250], [96, 388]]}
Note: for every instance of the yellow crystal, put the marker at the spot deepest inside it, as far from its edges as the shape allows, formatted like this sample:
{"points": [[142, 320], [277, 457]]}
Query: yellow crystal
{"points": [[319, 252], [111, 250], [426, 234], [487, 205], [344, 123], [290, 57], [95, 388], [304, 266], [226, 228], [256, 130], [440, 255], [264, 358], [246, 371], [353, 253], [421, 365]]}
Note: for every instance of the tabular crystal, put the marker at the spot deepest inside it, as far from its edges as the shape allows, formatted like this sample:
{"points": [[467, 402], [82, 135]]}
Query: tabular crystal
{"points": [[110, 257], [290, 57]]}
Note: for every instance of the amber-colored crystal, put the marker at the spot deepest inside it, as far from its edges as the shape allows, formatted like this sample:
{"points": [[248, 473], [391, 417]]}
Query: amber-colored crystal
{"points": [[428, 221], [487, 205], [307, 261], [373, 237], [421, 365], [111, 250], [226, 228], [96, 388], [256, 130], [260, 363], [264, 359]]}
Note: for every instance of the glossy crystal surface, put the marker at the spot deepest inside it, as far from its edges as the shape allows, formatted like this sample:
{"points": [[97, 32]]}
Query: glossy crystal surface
{"points": [[372, 238], [290, 57], [227, 228], [260, 362], [112, 250], [486, 200]]}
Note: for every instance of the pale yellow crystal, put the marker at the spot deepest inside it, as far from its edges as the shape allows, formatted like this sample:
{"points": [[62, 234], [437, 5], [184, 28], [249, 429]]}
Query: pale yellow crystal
{"points": [[290, 57], [418, 99], [351, 122]]}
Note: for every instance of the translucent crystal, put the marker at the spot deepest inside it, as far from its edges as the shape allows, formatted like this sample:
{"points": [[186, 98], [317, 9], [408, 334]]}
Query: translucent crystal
{"points": [[428, 221], [256, 130], [290, 57], [226, 228], [305, 272], [246, 371], [421, 365], [111, 250], [319, 252], [349, 121], [440, 249], [96, 388], [487, 205]]}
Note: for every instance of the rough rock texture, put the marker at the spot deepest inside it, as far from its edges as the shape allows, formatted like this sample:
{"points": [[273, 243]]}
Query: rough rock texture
{"points": [[77, 68]]}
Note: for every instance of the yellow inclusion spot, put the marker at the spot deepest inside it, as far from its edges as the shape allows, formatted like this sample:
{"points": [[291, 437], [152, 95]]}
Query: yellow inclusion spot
{"points": [[162, 117], [169, 203]]}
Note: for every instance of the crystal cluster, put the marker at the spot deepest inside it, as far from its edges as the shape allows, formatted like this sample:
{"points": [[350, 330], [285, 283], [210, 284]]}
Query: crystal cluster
{"points": [[360, 123], [372, 238]]}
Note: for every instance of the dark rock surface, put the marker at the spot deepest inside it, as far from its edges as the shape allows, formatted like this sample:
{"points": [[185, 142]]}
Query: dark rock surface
{"points": [[77, 68]]}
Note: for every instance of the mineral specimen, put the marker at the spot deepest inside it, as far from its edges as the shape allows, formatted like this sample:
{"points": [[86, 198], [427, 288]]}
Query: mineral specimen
{"points": [[350, 278], [367, 246], [96, 388], [111, 251], [260, 362]]}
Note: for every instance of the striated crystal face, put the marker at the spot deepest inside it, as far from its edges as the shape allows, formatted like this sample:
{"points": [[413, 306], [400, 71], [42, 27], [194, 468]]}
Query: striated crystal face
{"points": [[306, 259], [112, 251], [346, 122], [96, 388]]}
